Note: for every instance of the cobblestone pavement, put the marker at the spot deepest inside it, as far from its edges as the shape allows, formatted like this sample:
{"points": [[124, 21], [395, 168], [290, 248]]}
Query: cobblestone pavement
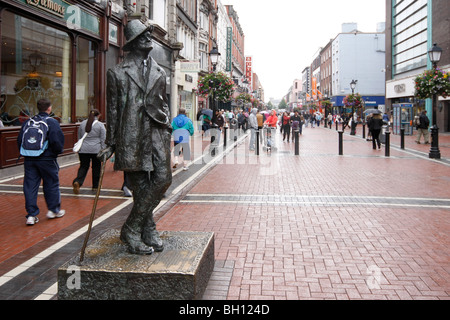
{"points": [[317, 225]]}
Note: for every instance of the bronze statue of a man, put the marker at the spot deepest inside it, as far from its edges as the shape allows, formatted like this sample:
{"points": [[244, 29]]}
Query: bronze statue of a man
{"points": [[139, 133]]}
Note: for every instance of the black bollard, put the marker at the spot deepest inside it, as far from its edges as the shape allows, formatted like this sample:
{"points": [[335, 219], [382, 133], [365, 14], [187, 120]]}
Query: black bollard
{"points": [[364, 130], [402, 138], [225, 137], [296, 142], [336, 125], [387, 144], [341, 152], [257, 142]]}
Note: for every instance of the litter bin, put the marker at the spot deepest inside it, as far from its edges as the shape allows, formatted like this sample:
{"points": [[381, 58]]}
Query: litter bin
{"points": [[384, 128]]}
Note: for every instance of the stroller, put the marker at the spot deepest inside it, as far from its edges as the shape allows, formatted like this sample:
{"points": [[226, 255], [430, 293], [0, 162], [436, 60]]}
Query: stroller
{"points": [[269, 138]]}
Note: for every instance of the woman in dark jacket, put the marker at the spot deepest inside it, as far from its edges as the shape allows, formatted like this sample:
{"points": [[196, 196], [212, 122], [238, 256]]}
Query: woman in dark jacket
{"points": [[375, 124]]}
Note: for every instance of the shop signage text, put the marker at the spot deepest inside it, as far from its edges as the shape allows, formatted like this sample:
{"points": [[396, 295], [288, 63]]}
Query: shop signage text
{"points": [[189, 66], [75, 17], [49, 5]]}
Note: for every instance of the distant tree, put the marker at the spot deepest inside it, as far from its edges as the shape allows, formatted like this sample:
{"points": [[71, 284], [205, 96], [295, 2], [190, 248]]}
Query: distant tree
{"points": [[270, 105], [282, 104]]}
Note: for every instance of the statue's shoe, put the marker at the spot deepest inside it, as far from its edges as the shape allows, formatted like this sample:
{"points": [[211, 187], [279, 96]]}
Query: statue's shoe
{"points": [[135, 244], [152, 239]]}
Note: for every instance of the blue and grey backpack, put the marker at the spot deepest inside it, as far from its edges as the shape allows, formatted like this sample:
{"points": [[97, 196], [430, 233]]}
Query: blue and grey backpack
{"points": [[34, 137]]}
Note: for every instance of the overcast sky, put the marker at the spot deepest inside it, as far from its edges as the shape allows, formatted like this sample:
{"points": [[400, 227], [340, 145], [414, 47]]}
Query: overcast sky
{"points": [[283, 36]]}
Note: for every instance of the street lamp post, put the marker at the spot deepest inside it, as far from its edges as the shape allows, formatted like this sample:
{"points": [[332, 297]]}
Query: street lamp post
{"points": [[214, 56], [435, 56], [353, 127]]}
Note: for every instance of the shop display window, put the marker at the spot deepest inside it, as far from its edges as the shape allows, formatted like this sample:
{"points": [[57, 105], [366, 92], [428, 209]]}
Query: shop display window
{"points": [[35, 63]]}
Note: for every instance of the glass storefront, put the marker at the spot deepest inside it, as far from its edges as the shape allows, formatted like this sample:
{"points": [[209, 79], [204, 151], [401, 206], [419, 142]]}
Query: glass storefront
{"points": [[85, 89], [35, 63]]}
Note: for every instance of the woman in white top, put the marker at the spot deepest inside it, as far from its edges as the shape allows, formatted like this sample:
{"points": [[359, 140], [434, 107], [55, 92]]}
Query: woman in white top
{"points": [[92, 144]]}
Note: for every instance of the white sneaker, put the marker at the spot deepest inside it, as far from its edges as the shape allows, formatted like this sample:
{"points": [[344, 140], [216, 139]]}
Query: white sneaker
{"points": [[32, 220], [52, 215], [127, 192], [185, 168]]}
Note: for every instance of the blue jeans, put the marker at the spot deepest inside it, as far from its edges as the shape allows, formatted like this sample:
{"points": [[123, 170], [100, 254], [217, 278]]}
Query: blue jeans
{"points": [[48, 172]]}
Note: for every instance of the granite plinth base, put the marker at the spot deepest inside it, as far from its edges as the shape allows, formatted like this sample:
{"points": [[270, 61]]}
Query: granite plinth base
{"points": [[109, 272]]}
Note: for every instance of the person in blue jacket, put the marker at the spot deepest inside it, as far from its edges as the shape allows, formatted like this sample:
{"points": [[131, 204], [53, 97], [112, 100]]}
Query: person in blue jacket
{"points": [[182, 130], [45, 168]]}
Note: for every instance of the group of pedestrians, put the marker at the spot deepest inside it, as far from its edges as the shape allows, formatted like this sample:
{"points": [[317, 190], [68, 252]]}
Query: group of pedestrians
{"points": [[44, 167]]}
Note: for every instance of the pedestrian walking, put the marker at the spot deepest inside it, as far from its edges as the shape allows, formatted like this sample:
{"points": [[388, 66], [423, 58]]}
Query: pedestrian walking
{"points": [[182, 130], [43, 168], [272, 119], [422, 128], [253, 125], [286, 123], [375, 125], [92, 144], [199, 119], [369, 134], [330, 120], [296, 122], [260, 119]]}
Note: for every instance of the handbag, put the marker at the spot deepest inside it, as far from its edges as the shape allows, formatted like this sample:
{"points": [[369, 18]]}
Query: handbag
{"points": [[77, 145]]}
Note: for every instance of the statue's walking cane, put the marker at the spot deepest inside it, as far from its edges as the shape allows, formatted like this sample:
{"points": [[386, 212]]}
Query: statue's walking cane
{"points": [[102, 172]]}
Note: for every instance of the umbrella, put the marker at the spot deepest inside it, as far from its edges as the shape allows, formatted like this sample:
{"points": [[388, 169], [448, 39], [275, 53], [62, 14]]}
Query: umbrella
{"points": [[208, 112], [374, 111]]}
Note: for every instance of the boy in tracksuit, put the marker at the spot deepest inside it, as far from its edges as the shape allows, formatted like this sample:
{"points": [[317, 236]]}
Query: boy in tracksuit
{"points": [[45, 168]]}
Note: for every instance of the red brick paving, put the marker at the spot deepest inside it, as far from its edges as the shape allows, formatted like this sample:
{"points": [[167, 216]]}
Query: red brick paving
{"points": [[304, 251], [326, 252]]}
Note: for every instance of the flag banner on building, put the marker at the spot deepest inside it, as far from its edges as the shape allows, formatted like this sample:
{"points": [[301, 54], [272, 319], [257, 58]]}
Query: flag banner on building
{"points": [[319, 94], [314, 88], [308, 97]]}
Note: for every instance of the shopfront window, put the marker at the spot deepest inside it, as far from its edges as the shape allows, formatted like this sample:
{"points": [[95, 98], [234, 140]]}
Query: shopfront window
{"points": [[85, 90], [35, 63]]}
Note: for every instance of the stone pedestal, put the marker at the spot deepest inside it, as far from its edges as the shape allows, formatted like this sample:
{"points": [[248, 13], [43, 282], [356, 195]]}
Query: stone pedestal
{"points": [[109, 272]]}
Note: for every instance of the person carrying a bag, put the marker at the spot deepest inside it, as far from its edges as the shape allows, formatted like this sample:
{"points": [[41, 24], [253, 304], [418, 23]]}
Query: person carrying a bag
{"points": [[91, 146]]}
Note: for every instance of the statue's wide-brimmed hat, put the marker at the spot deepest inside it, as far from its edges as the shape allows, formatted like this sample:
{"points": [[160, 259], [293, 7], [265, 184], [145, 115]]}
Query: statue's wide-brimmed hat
{"points": [[133, 30]]}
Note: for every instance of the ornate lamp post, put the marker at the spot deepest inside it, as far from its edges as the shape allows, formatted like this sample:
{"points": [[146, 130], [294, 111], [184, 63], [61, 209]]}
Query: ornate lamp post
{"points": [[353, 127], [214, 56], [435, 56]]}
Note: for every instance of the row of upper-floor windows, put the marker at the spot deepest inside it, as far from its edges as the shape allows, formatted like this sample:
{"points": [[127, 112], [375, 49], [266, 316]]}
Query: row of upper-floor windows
{"points": [[409, 35]]}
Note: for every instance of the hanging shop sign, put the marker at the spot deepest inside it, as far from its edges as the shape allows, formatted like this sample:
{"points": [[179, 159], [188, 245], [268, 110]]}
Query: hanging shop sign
{"points": [[190, 66], [248, 70], [229, 48]]}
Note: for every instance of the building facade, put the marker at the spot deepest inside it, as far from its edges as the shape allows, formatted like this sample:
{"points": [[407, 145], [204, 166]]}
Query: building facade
{"points": [[58, 50], [358, 56], [411, 30]]}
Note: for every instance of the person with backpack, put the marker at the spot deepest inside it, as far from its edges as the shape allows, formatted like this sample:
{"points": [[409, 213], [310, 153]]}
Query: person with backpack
{"points": [[92, 144], [422, 128], [40, 162]]}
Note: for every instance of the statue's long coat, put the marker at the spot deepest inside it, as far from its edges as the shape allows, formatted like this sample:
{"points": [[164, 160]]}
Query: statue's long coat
{"points": [[138, 116]]}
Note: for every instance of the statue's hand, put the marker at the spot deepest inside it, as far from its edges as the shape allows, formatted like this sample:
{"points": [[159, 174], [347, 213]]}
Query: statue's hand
{"points": [[105, 154]]}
